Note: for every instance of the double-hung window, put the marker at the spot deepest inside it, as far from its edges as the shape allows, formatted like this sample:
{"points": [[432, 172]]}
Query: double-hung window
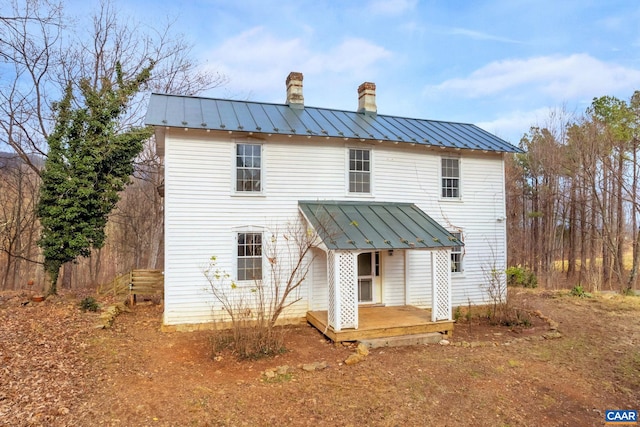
{"points": [[456, 254], [359, 171], [450, 172], [249, 168], [249, 256]]}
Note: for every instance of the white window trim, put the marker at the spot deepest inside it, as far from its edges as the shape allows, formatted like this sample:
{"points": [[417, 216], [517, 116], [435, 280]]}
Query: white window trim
{"points": [[460, 179], [370, 194], [234, 238], [234, 172], [462, 253]]}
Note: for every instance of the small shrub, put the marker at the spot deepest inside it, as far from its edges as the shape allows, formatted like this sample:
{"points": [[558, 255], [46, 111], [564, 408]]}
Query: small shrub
{"points": [[517, 317], [89, 304], [520, 276], [457, 314], [248, 342], [578, 291]]}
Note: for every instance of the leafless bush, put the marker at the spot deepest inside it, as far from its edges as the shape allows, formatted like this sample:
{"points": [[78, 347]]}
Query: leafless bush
{"points": [[253, 310]]}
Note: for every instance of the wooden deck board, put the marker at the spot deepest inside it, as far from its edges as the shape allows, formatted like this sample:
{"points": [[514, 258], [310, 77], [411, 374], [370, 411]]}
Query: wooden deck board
{"points": [[382, 322]]}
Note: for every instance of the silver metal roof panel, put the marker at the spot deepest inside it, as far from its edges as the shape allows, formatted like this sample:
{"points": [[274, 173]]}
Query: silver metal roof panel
{"points": [[245, 116]]}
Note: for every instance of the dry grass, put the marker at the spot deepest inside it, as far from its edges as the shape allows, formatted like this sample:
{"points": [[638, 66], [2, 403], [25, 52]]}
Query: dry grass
{"points": [[133, 374]]}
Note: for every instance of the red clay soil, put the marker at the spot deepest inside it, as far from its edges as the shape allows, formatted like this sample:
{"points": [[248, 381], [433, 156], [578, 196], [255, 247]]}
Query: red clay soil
{"points": [[57, 369]]}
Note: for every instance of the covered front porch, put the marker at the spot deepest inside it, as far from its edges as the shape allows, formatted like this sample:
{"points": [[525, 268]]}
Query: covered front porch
{"points": [[353, 234], [382, 322]]}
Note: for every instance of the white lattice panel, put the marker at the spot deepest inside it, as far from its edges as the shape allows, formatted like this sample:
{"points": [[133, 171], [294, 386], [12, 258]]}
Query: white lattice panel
{"points": [[441, 280], [331, 281], [348, 284]]}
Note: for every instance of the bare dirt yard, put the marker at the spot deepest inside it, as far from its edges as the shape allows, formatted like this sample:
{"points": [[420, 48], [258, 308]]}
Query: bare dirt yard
{"points": [[57, 369]]}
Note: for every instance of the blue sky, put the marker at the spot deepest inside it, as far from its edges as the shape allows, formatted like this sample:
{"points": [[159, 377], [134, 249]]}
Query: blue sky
{"points": [[501, 64]]}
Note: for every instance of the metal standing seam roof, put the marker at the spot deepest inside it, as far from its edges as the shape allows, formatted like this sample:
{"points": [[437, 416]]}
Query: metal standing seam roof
{"points": [[346, 225], [266, 118]]}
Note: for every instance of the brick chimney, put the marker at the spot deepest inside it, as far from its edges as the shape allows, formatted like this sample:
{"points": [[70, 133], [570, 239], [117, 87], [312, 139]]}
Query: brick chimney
{"points": [[367, 98], [295, 99]]}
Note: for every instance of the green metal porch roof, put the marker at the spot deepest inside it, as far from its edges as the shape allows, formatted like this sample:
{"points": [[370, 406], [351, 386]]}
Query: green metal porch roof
{"points": [[375, 225]]}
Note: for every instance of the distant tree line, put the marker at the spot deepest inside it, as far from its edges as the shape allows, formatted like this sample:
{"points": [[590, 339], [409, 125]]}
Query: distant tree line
{"points": [[572, 197]]}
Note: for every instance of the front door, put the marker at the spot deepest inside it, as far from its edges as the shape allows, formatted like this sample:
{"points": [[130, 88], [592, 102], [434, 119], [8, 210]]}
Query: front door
{"points": [[369, 283]]}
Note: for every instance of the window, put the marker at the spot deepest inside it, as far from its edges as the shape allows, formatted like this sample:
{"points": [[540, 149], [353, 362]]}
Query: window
{"points": [[249, 256], [248, 167], [456, 255], [359, 171], [451, 178]]}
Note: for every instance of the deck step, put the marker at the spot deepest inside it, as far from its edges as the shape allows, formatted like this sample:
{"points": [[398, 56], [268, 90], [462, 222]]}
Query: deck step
{"points": [[403, 340]]}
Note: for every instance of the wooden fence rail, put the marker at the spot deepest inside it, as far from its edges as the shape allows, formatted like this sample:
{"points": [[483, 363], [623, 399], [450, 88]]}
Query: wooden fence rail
{"points": [[135, 282]]}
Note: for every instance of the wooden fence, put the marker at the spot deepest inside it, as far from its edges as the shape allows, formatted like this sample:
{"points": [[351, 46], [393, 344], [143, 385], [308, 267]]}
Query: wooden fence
{"points": [[135, 282]]}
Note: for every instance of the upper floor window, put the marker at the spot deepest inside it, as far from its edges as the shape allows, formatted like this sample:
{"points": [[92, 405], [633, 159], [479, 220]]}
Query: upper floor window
{"points": [[249, 256], [359, 171], [456, 254], [249, 167], [450, 178]]}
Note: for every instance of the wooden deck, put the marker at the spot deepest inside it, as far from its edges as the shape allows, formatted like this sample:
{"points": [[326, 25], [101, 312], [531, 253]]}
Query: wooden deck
{"points": [[382, 322]]}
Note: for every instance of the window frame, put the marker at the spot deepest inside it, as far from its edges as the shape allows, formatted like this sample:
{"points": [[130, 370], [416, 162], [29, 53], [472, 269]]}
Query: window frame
{"points": [[368, 173], [237, 168], [444, 189], [239, 257], [457, 252]]}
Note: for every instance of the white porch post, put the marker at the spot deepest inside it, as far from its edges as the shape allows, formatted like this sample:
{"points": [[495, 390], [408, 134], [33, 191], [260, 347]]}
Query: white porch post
{"points": [[441, 285], [342, 270], [333, 305]]}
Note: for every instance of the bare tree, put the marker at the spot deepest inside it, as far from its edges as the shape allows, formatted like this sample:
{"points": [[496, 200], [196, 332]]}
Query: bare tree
{"points": [[18, 223], [30, 39], [573, 197], [44, 49]]}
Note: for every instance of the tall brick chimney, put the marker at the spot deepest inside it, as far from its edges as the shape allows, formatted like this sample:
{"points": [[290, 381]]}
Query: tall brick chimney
{"points": [[367, 98], [295, 99]]}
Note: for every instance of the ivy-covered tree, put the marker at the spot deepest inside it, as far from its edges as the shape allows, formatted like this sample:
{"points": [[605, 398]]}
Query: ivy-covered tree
{"points": [[90, 160]]}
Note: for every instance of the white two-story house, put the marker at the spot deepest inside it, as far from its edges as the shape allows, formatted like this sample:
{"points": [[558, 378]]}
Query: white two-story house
{"points": [[409, 212]]}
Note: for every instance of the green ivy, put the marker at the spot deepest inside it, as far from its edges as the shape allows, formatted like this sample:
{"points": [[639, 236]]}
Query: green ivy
{"points": [[88, 163]]}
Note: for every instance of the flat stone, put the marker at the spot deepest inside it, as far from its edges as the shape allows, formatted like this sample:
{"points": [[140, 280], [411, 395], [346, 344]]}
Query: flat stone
{"points": [[282, 370], [353, 359], [362, 349], [315, 366], [552, 335], [403, 340]]}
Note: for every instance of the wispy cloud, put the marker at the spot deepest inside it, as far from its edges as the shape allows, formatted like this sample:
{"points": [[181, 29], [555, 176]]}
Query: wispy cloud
{"points": [[259, 61], [478, 35], [558, 77], [511, 126]]}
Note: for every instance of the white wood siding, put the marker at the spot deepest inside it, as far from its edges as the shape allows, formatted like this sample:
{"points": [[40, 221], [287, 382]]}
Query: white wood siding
{"points": [[393, 282], [419, 278], [203, 215], [320, 290]]}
